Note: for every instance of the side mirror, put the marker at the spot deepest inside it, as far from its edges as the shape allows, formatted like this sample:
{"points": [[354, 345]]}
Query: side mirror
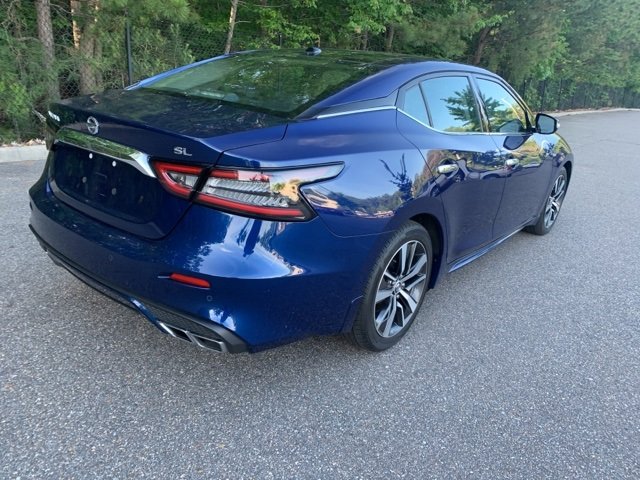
{"points": [[546, 124]]}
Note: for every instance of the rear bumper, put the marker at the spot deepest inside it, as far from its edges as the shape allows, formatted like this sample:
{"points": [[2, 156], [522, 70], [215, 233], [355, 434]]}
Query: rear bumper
{"points": [[271, 282], [206, 335]]}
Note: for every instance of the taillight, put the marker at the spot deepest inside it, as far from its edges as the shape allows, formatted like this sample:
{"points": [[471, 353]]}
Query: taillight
{"points": [[272, 194], [178, 179]]}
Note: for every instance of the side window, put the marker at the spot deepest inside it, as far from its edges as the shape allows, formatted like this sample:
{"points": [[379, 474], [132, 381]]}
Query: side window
{"points": [[504, 112], [414, 104], [452, 104]]}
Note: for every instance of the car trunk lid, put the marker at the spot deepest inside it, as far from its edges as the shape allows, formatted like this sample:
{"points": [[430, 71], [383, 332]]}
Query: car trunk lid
{"points": [[105, 147]]}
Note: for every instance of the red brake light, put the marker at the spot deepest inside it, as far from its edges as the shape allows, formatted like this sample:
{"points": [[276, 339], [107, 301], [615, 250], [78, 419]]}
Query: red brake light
{"points": [[272, 194], [178, 179]]}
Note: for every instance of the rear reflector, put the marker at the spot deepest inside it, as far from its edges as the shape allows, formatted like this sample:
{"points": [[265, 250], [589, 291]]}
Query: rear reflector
{"points": [[188, 280]]}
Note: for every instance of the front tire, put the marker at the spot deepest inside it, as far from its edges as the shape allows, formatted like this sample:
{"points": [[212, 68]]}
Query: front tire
{"points": [[395, 290], [553, 203]]}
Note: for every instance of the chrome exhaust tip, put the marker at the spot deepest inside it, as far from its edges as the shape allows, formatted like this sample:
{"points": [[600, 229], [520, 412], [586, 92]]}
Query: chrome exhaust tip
{"points": [[209, 343]]}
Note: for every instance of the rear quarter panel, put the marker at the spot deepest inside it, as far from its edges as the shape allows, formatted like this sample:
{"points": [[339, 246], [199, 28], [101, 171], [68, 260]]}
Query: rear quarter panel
{"points": [[383, 171]]}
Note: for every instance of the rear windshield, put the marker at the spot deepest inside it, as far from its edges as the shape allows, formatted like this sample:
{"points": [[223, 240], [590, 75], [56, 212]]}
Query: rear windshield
{"points": [[276, 83]]}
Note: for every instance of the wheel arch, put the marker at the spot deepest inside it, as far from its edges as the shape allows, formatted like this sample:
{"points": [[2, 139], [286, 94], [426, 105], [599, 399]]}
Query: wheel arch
{"points": [[433, 227], [568, 165]]}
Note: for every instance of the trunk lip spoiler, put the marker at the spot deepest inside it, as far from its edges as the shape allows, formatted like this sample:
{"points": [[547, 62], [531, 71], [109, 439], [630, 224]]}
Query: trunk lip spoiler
{"points": [[137, 159]]}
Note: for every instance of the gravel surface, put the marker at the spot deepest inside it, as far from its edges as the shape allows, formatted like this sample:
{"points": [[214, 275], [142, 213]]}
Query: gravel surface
{"points": [[524, 364]]}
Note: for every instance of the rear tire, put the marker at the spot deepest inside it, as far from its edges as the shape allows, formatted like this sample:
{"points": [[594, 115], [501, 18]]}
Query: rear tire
{"points": [[552, 205], [395, 290]]}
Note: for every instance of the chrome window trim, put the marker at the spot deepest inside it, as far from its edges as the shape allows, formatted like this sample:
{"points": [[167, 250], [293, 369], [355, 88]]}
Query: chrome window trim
{"points": [[461, 133], [440, 131], [102, 146], [351, 112]]}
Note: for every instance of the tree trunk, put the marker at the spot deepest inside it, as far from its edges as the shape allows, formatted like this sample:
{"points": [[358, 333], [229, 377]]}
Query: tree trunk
{"points": [[45, 35], [482, 42], [232, 25], [388, 40], [86, 44], [364, 40]]}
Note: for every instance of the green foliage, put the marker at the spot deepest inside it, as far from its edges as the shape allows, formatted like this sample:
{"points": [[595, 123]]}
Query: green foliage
{"points": [[23, 81], [577, 52]]}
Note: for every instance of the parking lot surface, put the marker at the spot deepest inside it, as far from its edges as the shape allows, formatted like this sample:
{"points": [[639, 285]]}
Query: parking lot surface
{"points": [[523, 364]]}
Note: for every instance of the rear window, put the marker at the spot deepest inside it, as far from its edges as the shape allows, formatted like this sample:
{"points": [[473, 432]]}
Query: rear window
{"points": [[279, 84]]}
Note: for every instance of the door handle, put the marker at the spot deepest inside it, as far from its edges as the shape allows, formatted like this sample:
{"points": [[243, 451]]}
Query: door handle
{"points": [[445, 168], [512, 162]]}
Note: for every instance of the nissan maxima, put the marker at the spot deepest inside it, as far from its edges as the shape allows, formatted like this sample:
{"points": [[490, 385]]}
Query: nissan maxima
{"points": [[257, 198]]}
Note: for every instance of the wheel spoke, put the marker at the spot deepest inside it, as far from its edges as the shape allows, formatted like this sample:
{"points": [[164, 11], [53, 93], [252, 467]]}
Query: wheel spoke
{"points": [[547, 217], [390, 318], [558, 195], [403, 318], [382, 316], [383, 294], [389, 276], [404, 253], [559, 186], [411, 303], [548, 209], [416, 269], [415, 282], [411, 257]]}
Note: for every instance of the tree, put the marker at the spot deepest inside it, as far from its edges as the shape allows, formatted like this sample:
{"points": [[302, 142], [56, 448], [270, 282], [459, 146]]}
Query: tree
{"points": [[232, 25], [87, 44], [45, 34], [520, 41], [52, 47]]}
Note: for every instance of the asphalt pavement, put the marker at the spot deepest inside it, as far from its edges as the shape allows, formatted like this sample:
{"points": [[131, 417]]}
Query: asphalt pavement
{"points": [[523, 364]]}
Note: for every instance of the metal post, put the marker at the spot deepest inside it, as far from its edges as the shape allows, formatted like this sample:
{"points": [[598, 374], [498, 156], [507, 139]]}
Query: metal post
{"points": [[573, 94], [559, 96], [584, 97], [544, 89], [127, 41]]}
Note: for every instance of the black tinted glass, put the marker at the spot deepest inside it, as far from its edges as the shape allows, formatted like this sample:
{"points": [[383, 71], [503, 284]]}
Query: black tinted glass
{"points": [[414, 104], [280, 83], [452, 104], [504, 112]]}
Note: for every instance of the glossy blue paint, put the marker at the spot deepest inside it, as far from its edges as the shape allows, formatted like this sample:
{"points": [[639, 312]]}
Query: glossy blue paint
{"points": [[255, 267], [273, 282]]}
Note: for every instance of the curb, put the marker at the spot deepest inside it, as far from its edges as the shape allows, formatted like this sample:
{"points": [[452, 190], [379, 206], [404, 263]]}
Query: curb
{"points": [[22, 154], [566, 113]]}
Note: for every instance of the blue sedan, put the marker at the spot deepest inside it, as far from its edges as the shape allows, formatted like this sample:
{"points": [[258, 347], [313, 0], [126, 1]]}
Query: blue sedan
{"points": [[257, 198]]}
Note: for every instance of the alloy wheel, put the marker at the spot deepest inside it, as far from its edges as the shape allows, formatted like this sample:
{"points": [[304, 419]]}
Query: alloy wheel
{"points": [[400, 289], [554, 202]]}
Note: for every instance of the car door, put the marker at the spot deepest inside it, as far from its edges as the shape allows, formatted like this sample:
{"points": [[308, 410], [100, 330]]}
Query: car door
{"points": [[526, 172], [439, 114]]}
